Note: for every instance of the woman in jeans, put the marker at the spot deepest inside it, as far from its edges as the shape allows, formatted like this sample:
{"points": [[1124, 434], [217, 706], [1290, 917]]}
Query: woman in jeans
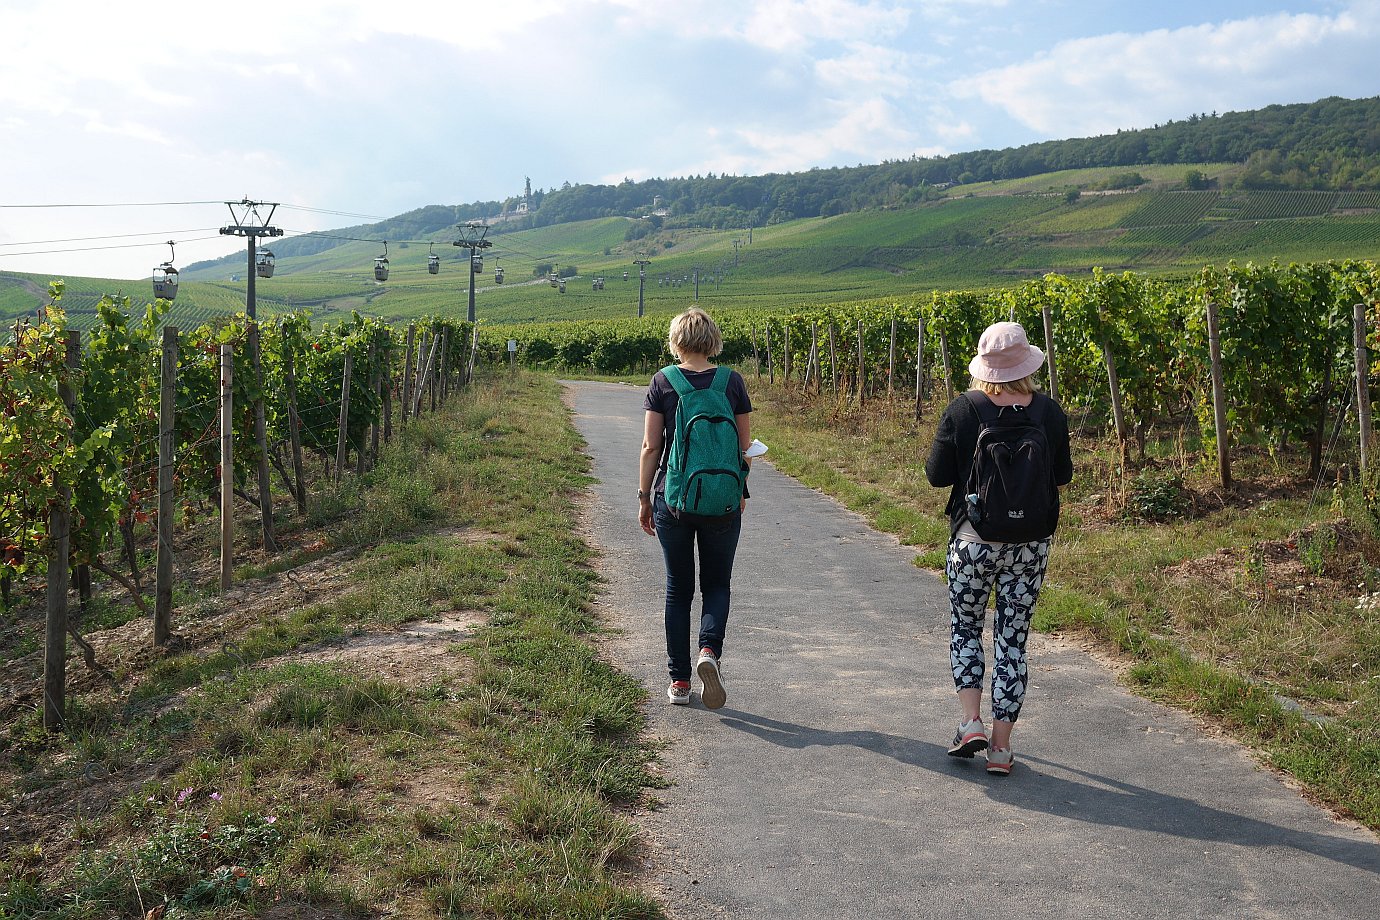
{"points": [[1003, 372], [694, 339]]}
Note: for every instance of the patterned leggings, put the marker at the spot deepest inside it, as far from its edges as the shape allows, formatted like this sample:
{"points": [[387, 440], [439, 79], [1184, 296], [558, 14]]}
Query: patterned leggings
{"points": [[1017, 570]]}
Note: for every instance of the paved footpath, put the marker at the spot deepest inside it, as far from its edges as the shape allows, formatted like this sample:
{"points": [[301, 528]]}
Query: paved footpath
{"points": [[822, 789]]}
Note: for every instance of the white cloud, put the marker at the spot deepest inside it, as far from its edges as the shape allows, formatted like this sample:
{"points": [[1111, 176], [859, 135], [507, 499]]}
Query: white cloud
{"points": [[1097, 85]]}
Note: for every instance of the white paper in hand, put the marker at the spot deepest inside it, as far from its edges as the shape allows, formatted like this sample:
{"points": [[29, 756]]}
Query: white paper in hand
{"points": [[755, 449]]}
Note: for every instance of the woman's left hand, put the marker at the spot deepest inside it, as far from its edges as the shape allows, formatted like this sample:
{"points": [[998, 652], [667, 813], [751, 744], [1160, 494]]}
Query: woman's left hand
{"points": [[644, 517]]}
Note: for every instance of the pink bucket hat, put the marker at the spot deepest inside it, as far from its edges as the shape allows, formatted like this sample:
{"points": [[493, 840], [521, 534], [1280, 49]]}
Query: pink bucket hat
{"points": [[1005, 354]]}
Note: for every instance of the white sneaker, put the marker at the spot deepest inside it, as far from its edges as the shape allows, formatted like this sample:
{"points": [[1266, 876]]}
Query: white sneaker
{"points": [[712, 694], [1000, 761], [678, 692], [970, 738]]}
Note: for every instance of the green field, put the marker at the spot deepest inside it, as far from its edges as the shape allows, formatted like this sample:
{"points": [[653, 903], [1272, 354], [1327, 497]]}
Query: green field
{"points": [[992, 234]]}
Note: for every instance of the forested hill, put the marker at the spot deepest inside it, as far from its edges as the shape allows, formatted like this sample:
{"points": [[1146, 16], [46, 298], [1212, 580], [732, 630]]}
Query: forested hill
{"points": [[1330, 144]]}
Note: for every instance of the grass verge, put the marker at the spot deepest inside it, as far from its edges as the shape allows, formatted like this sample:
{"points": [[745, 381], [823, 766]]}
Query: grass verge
{"points": [[1292, 669], [263, 775]]}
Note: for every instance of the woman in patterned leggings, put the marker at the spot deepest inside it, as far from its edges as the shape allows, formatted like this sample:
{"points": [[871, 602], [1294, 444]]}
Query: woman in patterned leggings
{"points": [[977, 567]]}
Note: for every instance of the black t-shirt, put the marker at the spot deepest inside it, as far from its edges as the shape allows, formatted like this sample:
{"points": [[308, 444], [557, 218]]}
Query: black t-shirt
{"points": [[662, 397]]}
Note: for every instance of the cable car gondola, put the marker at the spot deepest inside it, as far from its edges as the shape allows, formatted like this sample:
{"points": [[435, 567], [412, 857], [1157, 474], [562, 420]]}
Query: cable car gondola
{"points": [[165, 277], [477, 264], [381, 264], [263, 265], [433, 261], [498, 274], [562, 285]]}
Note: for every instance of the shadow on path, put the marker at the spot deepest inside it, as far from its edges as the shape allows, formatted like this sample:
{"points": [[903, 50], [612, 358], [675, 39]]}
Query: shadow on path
{"points": [[1099, 800]]}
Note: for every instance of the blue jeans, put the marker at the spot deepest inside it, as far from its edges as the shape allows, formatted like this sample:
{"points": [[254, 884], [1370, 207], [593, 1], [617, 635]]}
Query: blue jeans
{"points": [[718, 543]]}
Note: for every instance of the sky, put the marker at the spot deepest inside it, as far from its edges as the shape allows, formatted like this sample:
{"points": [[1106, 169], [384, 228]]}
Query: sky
{"points": [[148, 115]]}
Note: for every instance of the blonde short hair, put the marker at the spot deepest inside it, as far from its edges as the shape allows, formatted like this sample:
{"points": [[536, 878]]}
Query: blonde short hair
{"points": [[693, 332], [1024, 385]]}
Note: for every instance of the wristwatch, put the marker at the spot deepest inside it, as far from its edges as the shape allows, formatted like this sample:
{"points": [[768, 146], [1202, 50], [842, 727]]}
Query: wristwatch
{"points": [[644, 495]]}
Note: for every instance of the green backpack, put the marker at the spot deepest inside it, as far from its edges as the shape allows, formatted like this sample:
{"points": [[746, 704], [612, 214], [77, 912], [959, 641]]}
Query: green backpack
{"points": [[705, 473]]}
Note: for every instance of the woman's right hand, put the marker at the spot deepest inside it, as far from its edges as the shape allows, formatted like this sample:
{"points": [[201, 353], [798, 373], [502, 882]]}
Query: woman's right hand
{"points": [[644, 517]]}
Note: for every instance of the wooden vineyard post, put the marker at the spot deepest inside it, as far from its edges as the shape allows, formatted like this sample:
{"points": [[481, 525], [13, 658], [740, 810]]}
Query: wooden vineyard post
{"points": [[59, 572], [1362, 388], [771, 368], [227, 466], [1049, 353], [919, 366], [786, 355], [862, 367], [388, 390], [891, 361], [407, 373], [167, 461], [418, 377], [833, 358], [474, 353], [1114, 389], [361, 451], [294, 432], [944, 359], [261, 443], [756, 355], [426, 373], [1219, 396], [343, 427], [378, 385], [445, 363], [812, 362]]}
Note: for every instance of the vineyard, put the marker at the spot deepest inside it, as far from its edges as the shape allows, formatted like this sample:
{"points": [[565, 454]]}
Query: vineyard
{"points": [[1286, 347], [83, 474]]}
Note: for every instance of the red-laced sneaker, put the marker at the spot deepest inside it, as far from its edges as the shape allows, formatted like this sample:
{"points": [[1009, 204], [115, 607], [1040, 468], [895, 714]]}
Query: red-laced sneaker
{"points": [[1000, 761], [970, 738], [712, 694], [679, 692]]}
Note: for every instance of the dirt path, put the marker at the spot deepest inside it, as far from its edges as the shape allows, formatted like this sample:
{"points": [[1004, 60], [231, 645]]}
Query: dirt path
{"points": [[822, 789]]}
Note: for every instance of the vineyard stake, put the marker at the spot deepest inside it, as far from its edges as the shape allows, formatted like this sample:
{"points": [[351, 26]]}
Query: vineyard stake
{"points": [[59, 541], [891, 361], [426, 373], [474, 352], [862, 367], [227, 466], [1049, 353], [343, 426], [361, 449], [419, 383], [756, 355], [1114, 388], [1219, 396], [919, 365], [376, 373], [445, 363], [387, 385], [771, 368], [786, 355], [833, 358], [944, 358], [295, 432], [407, 373], [1362, 386], [167, 460], [261, 441], [812, 363]]}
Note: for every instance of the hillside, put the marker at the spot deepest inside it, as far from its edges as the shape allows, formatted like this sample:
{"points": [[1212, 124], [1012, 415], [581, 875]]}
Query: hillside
{"points": [[990, 235]]}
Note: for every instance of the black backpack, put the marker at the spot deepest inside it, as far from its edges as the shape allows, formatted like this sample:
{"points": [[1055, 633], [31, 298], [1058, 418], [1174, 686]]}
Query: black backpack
{"points": [[1011, 496]]}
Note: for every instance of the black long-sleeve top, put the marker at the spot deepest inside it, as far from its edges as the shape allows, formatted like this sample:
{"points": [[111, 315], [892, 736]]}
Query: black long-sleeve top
{"points": [[951, 454]]}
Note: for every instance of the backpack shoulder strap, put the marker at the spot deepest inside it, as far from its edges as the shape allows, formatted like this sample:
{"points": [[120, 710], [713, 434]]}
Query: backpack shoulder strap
{"points": [[677, 380], [1038, 402], [977, 401], [721, 377]]}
